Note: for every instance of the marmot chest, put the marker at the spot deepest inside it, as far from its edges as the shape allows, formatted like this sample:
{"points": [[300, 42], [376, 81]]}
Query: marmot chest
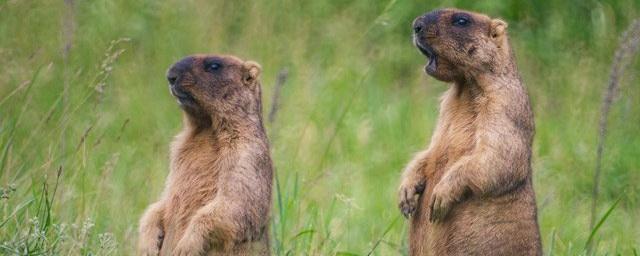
{"points": [[456, 137], [194, 178]]}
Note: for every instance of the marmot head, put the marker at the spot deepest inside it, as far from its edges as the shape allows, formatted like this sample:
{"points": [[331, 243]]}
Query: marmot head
{"points": [[460, 44], [216, 86]]}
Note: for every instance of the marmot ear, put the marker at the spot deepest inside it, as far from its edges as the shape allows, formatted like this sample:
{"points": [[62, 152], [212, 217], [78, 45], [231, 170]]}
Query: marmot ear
{"points": [[498, 30], [252, 71]]}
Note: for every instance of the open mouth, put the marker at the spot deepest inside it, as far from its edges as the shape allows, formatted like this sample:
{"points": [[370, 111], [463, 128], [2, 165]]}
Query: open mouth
{"points": [[431, 55]]}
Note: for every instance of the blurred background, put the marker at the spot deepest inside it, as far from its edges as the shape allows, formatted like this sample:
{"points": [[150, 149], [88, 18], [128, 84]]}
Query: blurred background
{"points": [[86, 117]]}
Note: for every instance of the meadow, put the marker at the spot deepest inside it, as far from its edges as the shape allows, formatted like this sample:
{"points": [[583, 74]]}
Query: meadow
{"points": [[86, 117]]}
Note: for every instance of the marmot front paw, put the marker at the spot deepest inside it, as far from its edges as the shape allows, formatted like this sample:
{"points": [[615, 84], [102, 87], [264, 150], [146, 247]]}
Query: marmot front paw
{"points": [[189, 245], [409, 192], [150, 243], [441, 202]]}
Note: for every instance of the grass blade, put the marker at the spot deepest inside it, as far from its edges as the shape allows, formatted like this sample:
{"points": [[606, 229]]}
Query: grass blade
{"points": [[600, 222], [18, 209], [393, 223]]}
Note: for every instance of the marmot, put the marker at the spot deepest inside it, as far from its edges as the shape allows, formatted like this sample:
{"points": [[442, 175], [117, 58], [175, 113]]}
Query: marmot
{"points": [[218, 192], [470, 192]]}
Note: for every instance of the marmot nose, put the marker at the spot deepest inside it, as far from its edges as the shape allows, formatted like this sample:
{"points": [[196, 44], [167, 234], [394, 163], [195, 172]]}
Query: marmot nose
{"points": [[172, 78], [418, 27], [176, 71]]}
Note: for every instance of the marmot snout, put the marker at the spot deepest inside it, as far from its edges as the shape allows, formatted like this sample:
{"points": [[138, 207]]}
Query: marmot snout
{"points": [[218, 85], [460, 44]]}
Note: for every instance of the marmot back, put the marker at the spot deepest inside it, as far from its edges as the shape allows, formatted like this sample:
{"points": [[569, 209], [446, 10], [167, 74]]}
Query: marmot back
{"points": [[218, 192]]}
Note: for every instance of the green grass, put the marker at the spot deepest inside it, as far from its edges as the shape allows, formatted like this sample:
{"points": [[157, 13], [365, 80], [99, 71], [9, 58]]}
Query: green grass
{"points": [[84, 135]]}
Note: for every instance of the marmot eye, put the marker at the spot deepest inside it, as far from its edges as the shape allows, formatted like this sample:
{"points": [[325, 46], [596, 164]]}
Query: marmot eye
{"points": [[212, 66], [461, 22]]}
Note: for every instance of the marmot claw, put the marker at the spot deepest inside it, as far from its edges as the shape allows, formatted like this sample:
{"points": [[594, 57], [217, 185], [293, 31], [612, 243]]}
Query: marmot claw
{"points": [[409, 194]]}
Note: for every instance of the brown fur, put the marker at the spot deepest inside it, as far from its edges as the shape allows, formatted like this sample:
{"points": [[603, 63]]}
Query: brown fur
{"points": [[218, 192], [470, 191]]}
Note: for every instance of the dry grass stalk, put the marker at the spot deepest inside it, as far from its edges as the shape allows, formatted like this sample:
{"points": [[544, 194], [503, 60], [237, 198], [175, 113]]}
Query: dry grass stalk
{"points": [[623, 57], [275, 100]]}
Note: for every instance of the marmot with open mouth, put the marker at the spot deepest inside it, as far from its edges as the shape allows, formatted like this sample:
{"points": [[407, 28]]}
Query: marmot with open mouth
{"points": [[470, 192]]}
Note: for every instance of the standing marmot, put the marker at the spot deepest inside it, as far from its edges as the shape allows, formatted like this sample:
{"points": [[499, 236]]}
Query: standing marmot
{"points": [[218, 193], [470, 191]]}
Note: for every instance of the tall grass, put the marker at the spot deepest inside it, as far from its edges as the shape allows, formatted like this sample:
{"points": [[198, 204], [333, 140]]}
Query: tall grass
{"points": [[624, 55], [86, 119]]}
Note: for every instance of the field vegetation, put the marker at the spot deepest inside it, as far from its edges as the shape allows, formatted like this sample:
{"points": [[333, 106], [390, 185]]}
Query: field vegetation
{"points": [[86, 117]]}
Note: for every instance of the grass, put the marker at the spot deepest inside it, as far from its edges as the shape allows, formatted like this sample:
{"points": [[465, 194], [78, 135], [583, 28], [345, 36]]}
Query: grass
{"points": [[84, 133]]}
